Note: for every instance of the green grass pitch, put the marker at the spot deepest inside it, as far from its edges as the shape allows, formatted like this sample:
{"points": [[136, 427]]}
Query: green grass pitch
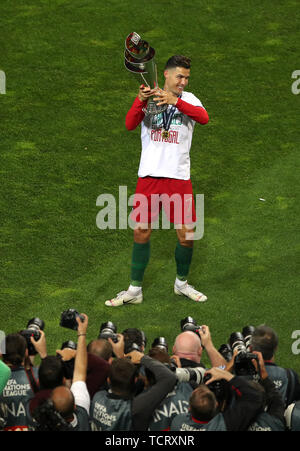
{"points": [[63, 143]]}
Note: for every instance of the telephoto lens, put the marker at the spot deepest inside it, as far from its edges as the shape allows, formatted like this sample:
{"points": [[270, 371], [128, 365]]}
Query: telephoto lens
{"points": [[69, 345], [34, 327], [161, 343], [36, 324], [195, 375], [189, 324], [247, 334], [236, 342], [243, 365], [108, 330]]}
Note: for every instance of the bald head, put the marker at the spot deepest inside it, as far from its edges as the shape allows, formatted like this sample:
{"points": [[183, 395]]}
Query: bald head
{"points": [[188, 346], [63, 401], [101, 348]]}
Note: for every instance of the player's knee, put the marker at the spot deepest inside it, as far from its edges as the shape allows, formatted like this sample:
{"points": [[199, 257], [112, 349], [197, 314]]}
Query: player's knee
{"points": [[142, 234], [185, 237], [186, 243]]}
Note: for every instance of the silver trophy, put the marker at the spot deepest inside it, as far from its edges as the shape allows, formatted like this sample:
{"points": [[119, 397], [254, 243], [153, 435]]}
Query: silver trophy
{"points": [[139, 59]]}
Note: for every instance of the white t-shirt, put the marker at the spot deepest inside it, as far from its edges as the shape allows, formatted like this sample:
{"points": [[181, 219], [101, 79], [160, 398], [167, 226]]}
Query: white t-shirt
{"points": [[81, 395], [168, 157]]}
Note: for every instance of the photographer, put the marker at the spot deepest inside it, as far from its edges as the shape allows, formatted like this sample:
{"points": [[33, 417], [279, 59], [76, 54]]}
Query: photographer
{"points": [[72, 404], [51, 375], [204, 413], [176, 402], [271, 416], [265, 340], [101, 348], [23, 381], [133, 336], [97, 367], [120, 408], [188, 346]]}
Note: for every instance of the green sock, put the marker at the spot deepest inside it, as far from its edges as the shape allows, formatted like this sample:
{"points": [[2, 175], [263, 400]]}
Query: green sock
{"points": [[183, 258], [140, 259]]}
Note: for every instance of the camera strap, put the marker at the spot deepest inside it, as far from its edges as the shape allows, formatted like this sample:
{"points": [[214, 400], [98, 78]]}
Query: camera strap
{"points": [[33, 382]]}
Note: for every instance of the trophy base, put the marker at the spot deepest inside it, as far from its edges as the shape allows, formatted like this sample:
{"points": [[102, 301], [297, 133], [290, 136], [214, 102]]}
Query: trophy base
{"points": [[153, 108]]}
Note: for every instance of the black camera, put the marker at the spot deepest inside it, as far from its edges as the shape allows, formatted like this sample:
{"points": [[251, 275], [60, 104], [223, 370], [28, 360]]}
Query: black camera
{"points": [[133, 347], [189, 323], [243, 365], [220, 388], [161, 343], [33, 328], [108, 330], [69, 345], [68, 319], [68, 365], [226, 352]]}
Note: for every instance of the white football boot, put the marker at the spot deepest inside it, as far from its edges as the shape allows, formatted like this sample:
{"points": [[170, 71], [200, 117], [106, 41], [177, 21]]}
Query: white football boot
{"points": [[125, 297], [189, 291]]}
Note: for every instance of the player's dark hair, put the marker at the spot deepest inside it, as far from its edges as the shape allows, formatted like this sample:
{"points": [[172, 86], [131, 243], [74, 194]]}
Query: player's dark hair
{"points": [[265, 340], [178, 61]]}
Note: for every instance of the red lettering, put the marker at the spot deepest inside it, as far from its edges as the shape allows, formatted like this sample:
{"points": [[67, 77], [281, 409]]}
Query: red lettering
{"points": [[156, 135]]}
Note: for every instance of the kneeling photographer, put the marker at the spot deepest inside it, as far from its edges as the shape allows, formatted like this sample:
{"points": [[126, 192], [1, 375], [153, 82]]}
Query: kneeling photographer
{"points": [[189, 345], [20, 349], [177, 400], [62, 404], [251, 366], [271, 415], [205, 414], [120, 408], [265, 340]]}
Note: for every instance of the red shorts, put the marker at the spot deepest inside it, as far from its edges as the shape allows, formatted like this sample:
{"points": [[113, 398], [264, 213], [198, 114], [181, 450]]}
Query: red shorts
{"points": [[175, 196]]}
